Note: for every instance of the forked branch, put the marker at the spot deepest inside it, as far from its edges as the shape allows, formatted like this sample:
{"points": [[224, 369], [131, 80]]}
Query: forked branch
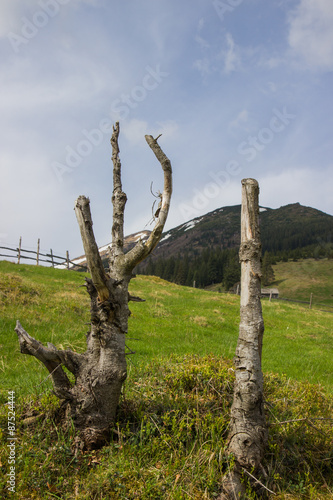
{"points": [[142, 250]]}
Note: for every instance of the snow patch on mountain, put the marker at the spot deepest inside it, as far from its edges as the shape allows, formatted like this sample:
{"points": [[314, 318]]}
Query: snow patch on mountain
{"points": [[165, 237]]}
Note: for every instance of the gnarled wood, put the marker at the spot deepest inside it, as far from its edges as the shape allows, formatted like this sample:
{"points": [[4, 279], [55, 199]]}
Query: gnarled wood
{"points": [[94, 261], [100, 372], [248, 430], [141, 249], [118, 198], [51, 358]]}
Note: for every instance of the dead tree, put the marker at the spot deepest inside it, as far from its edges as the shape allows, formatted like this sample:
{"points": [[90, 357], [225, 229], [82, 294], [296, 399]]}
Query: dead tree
{"points": [[99, 373], [248, 431]]}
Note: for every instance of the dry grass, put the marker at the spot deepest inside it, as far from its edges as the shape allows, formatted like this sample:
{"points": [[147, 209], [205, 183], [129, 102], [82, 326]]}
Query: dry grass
{"points": [[199, 320]]}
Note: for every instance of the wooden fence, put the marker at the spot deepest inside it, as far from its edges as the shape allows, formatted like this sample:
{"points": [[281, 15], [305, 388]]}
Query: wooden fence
{"points": [[311, 303], [54, 260]]}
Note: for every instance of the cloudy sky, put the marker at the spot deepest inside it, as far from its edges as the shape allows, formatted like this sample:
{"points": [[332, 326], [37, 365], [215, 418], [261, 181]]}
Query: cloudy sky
{"points": [[237, 88]]}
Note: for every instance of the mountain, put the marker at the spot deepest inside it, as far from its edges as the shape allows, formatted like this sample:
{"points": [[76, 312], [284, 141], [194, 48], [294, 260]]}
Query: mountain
{"points": [[283, 229], [205, 249]]}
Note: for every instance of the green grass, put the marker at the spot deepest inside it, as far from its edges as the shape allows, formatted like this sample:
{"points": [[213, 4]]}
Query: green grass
{"points": [[53, 307], [169, 439], [297, 280], [179, 320], [172, 422]]}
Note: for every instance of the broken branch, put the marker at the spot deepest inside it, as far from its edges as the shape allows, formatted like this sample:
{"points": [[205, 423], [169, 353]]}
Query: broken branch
{"points": [[94, 261], [48, 356]]}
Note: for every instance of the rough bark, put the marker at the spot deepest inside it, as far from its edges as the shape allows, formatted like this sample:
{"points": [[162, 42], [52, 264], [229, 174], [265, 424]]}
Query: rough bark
{"points": [[143, 249], [248, 431], [100, 372]]}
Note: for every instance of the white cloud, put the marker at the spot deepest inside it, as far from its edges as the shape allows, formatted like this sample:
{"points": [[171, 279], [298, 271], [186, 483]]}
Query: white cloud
{"points": [[211, 62], [231, 55], [68, 77], [273, 62], [40, 87], [167, 128], [297, 185], [203, 43], [204, 66], [311, 33], [134, 130]]}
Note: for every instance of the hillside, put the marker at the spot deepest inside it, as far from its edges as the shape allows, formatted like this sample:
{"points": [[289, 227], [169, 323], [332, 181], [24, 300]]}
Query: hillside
{"points": [[173, 417], [298, 280], [53, 306]]}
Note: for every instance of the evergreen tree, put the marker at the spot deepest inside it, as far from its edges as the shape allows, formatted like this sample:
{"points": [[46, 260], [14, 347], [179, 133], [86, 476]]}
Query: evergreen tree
{"points": [[159, 268], [169, 269], [212, 269], [182, 272], [231, 270], [267, 269]]}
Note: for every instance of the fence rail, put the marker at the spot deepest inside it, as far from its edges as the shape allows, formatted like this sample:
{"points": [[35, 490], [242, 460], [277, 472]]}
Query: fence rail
{"points": [[55, 260], [311, 304]]}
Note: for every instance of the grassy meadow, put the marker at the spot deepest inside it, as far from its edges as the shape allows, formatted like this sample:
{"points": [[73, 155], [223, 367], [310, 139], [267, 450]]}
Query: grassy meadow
{"points": [[173, 418], [297, 280]]}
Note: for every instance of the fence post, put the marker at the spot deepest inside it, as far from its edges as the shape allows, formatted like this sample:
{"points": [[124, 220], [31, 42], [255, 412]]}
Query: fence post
{"points": [[270, 295], [310, 306], [52, 257], [38, 245], [67, 258], [19, 250]]}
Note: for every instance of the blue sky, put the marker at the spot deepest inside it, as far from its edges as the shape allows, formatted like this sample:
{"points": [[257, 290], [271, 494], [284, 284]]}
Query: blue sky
{"points": [[237, 88]]}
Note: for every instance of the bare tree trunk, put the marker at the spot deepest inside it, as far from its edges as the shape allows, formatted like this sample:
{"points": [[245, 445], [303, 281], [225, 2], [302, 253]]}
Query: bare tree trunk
{"points": [[101, 370], [248, 431]]}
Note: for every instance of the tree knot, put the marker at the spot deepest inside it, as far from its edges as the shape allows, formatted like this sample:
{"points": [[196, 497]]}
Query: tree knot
{"points": [[249, 250]]}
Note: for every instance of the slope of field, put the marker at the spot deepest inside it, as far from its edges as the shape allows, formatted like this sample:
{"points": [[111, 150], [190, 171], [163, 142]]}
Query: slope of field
{"points": [[297, 280], [53, 307], [170, 435]]}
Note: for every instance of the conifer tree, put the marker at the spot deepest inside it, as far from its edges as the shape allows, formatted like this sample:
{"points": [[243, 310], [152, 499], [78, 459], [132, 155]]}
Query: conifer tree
{"points": [[267, 269]]}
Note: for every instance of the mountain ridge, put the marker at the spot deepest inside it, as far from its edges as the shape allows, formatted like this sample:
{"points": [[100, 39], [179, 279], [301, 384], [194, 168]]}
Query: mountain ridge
{"points": [[284, 229], [221, 227]]}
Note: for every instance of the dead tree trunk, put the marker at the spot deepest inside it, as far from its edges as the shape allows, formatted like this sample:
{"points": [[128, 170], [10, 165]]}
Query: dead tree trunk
{"points": [[100, 372], [248, 431]]}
